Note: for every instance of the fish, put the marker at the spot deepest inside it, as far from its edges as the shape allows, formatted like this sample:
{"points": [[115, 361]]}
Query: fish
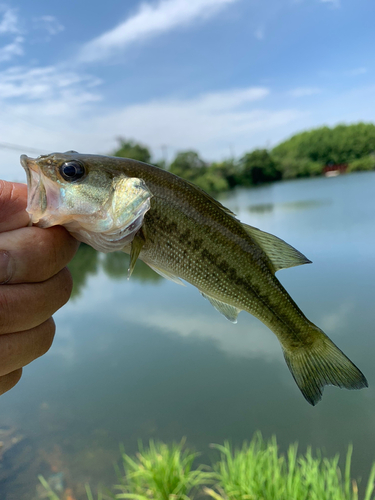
{"points": [[182, 233]]}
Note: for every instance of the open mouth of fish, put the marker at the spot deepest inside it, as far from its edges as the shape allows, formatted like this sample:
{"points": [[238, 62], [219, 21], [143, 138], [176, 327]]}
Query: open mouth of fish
{"points": [[36, 191]]}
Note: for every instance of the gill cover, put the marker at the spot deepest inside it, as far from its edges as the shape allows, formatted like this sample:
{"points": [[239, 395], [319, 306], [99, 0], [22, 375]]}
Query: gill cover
{"points": [[125, 212]]}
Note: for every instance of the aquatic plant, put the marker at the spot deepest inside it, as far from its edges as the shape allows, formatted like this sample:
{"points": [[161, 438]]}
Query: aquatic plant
{"points": [[258, 471], [49, 491], [52, 495], [161, 472]]}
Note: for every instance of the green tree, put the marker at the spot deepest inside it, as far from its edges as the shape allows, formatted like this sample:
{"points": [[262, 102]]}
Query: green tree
{"points": [[324, 146], [188, 165], [228, 170], [210, 178], [365, 163], [291, 167], [133, 150], [212, 182], [161, 164], [257, 167]]}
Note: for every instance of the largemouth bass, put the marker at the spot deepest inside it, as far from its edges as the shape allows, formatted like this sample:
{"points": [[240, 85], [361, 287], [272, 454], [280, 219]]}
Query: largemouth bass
{"points": [[183, 234]]}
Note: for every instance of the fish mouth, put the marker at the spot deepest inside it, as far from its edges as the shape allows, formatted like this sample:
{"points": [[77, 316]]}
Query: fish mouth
{"points": [[36, 192], [31, 169]]}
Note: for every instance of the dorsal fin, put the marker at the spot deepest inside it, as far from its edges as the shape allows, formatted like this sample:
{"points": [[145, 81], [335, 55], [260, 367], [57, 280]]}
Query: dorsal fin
{"points": [[230, 312], [281, 254]]}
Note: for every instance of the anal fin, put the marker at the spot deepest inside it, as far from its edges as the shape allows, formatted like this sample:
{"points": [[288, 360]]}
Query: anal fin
{"points": [[230, 312]]}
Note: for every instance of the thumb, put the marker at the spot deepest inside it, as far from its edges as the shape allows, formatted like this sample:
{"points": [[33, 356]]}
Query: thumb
{"points": [[13, 201]]}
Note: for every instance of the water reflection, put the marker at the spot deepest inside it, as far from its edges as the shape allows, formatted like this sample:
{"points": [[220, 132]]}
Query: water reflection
{"points": [[84, 264], [262, 208], [290, 205], [115, 265]]}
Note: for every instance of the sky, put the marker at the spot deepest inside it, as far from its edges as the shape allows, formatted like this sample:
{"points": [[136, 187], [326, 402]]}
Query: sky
{"points": [[221, 77]]}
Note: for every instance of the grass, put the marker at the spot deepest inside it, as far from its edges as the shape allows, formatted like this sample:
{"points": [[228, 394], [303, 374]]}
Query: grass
{"points": [[160, 472], [257, 471], [51, 494]]}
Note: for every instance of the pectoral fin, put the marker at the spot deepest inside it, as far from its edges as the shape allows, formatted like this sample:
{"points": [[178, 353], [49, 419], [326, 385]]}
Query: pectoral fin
{"points": [[230, 312], [136, 246], [281, 254]]}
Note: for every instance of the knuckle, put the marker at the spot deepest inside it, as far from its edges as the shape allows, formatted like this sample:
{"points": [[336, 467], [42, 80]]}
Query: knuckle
{"points": [[65, 245], [5, 192], [10, 202], [8, 267], [8, 381], [66, 284], [9, 354], [7, 348], [55, 246], [5, 311], [45, 251], [43, 300], [6, 195], [48, 336]]}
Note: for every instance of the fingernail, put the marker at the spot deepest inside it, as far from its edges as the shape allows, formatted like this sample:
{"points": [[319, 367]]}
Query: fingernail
{"points": [[5, 267]]}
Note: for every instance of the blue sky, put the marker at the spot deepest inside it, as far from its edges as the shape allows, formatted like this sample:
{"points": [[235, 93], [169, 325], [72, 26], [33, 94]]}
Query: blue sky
{"points": [[218, 76]]}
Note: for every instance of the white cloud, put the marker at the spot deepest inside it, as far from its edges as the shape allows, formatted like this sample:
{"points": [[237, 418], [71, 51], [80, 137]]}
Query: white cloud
{"points": [[259, 33], [9, 20], [45, 84], [42, 108], [216, 101], [356, 71], [150, 20], [247, 338], [336, 320], [48, 23], [209, 123], [9, 25], [305, 91], [15, 48], [334, 3]]}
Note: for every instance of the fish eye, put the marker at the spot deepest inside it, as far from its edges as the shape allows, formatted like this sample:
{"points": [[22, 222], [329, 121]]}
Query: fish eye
{"points": [[72, 171]]}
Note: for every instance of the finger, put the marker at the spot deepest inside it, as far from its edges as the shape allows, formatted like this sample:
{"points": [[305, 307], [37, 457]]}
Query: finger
{"points": [[19, 349], [25, 306], [31, 254], [10, 380], [13, 201]]}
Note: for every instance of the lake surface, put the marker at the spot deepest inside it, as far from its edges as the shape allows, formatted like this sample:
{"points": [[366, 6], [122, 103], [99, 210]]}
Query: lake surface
{"points": [[147, 358]]}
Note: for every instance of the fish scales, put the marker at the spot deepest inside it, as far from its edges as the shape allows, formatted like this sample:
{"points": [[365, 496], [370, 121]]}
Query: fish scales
{"points": [[183, 233], [214, 266]]}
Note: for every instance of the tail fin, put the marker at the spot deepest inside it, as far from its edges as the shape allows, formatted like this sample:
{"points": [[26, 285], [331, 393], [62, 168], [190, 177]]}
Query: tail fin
{"points": [[322, 363]]}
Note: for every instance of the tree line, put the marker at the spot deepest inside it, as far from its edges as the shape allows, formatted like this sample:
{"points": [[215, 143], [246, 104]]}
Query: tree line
{"points": [[305, 154]]}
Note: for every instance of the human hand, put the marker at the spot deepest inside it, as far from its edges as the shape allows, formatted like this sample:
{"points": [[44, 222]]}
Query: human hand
{"points": [[34, 283]]}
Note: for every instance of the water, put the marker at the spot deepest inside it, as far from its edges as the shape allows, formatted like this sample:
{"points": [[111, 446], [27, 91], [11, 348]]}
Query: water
{"points": [[146, 358]]}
